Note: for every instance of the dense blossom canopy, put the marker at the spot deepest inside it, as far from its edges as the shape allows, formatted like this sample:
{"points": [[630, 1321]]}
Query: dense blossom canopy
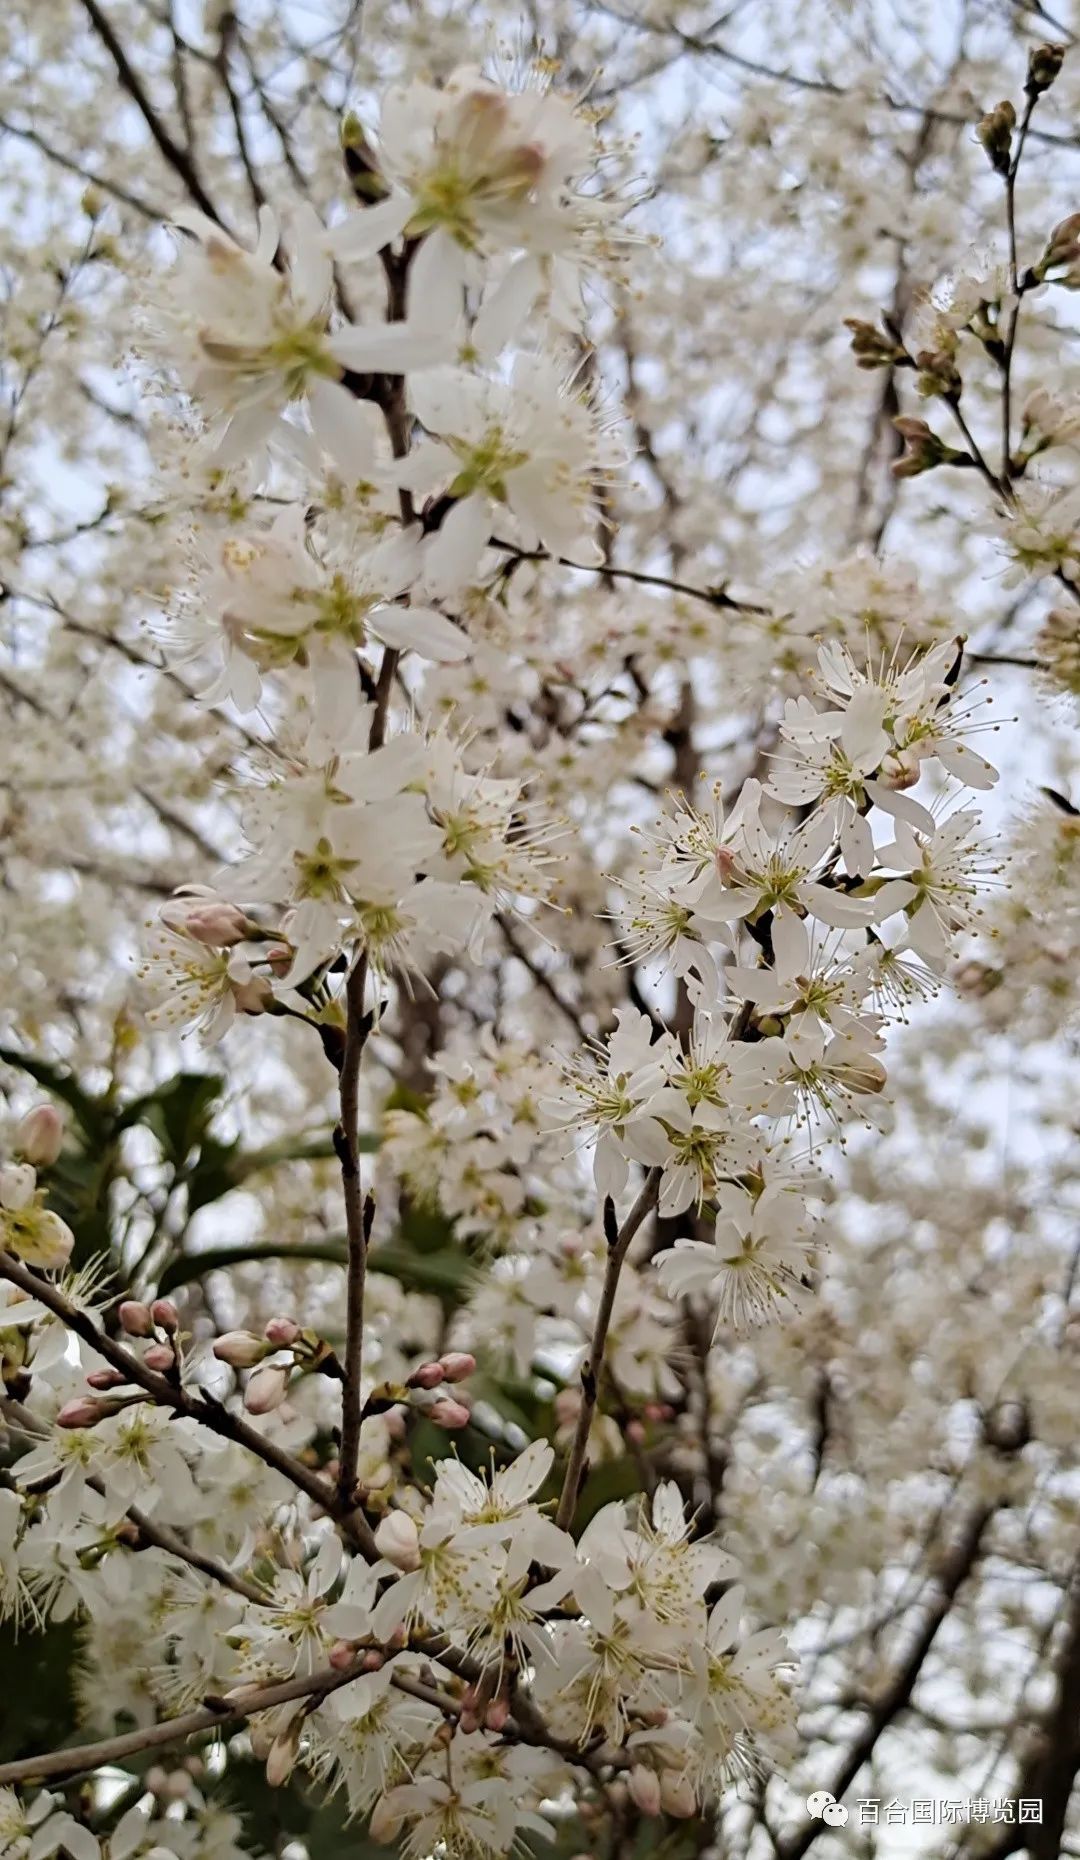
{"points": [[541, 909]]}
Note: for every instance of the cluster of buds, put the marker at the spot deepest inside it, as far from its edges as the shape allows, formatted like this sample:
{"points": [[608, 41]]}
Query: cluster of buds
{"points": [[28, 1228], [158, 1326], [424, 1390], [874, 349], [268, 1386], [995, 134], [667, 1792]]}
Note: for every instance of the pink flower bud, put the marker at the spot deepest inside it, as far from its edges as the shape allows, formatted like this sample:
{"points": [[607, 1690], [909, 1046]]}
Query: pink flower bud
{"points": [[178, 1785], [160, 1356], [83, 1412], [448, 1414], [458, 1364], [372, 1661], [280, 959], [135, 1318], [644, 1787], [241, 1349], [156, 1779], [428, 1376], [105, 1379], [677, 1795], [635, 1433], [497, 1713], [199, 912], [567, 1404], [282, 1331], [165, 1314], [266, 1389], [341, 1656], [397, 1539], [40, 1135]]}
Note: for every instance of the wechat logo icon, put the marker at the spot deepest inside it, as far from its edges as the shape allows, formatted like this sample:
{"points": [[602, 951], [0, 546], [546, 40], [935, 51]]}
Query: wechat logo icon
{"points": [[823, 1806]]}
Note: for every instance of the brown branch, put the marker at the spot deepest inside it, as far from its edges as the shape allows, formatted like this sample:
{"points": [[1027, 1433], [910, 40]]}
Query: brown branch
{"points": [[202, 1408], [178, 159], [82, 1757], [956, 1567], [618, 1247]]}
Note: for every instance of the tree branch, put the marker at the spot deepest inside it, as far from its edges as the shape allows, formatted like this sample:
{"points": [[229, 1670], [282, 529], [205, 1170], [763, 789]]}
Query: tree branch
{"points": [[618, 1247]]}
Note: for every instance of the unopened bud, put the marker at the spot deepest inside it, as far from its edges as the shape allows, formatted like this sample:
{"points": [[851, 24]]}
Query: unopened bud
{"points": [[40, 1135], [922, 448], [165, 1314], [156, 1779], [241, 1349], [342, 1655], [105, 1379], [450, 1414], [498, 1712], [178, 1786], [1044, 63], [427, 1376], [281, 1332], [567, 1406], [135, 1318], [280, 959], [85, 1412], [995, 134], [644, 1787], [871, 348], [397, 1539], [635, 1433], [266, 1389], [372, 1661], [457, 1365], [677, 1795], [212, 921], [1062, 248], [160, 1356]]}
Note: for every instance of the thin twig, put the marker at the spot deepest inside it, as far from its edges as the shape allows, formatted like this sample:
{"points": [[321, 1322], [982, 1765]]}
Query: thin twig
{"points": [[618, 1247]]}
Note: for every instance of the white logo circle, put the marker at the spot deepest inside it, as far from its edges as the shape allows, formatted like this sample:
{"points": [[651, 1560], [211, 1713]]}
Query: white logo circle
{"points": [[823, 1806]]}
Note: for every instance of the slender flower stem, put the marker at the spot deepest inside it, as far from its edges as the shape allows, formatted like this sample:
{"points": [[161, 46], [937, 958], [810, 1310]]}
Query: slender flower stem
{"points": [[618, 1248], [357, 1021], [1014, 280]]}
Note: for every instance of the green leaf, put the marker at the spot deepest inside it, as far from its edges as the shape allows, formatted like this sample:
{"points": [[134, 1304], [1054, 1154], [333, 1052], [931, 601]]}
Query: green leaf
{"points": [[37, 1708], [191, 1266], [447, 1272], [178, 1112], [91, 1113]]}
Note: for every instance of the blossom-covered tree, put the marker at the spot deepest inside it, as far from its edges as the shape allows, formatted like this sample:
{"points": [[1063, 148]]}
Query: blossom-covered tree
{"points": [[541, 906]]}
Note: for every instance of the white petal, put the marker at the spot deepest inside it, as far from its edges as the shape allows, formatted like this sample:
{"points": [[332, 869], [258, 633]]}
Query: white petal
{"points": [[422, 630], [341, 427]]}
